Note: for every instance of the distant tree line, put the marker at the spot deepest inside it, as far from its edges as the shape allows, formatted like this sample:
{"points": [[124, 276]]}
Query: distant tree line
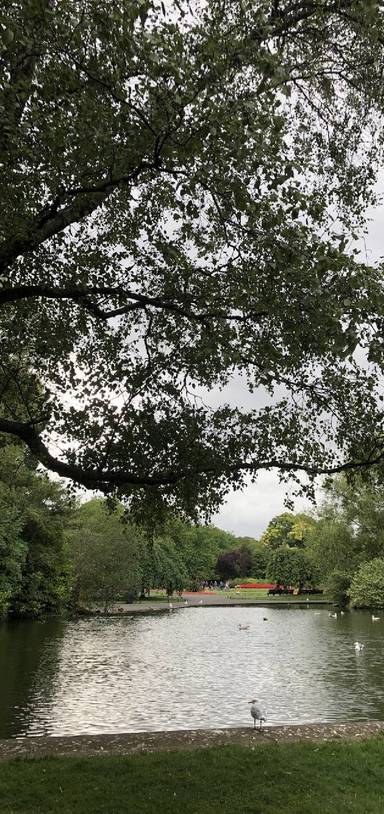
{"points": [[57, 553]]}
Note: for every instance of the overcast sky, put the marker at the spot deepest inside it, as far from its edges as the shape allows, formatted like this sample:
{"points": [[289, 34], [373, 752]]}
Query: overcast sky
{"points": [[249, 512]]}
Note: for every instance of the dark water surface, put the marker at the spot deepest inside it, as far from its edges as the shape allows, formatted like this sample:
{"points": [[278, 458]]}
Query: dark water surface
{"points": [[187, 669]]}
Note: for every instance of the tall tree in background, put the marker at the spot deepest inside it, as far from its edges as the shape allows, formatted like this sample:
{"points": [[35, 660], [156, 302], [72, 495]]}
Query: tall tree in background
{"points": [[288, 529], [290, 566], [105, 554], [179, 185], [350, 526]]}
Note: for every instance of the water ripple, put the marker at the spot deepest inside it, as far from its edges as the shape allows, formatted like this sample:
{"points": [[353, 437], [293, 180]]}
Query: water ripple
{"points": [[193, 668]]}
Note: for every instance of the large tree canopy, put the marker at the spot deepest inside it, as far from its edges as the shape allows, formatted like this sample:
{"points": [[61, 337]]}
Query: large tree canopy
{"points": [[179, 183]]}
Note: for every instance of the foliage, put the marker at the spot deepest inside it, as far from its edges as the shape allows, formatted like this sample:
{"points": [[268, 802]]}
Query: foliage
{"points": [[350, 525], [183, 555], [289, 566], [171, 179], [235, 563], [105, 555], [288, 529], [169, 570], [367, 586], [12, 547], [259, 555], [199, 547], [33, 564], [337, 587]]}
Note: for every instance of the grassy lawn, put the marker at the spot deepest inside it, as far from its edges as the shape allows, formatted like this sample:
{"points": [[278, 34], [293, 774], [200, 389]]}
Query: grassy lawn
{"points": [[262, 593], [296, 778]]}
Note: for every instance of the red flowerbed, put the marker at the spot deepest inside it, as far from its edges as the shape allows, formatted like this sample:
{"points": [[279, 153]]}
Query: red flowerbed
{"points": [[256, 585]]}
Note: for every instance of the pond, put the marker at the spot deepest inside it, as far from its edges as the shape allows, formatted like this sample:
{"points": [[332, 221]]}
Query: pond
{"points": [[188, 669]]}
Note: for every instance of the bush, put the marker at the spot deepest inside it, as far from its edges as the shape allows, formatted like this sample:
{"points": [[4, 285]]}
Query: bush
{"points": [[337, 586], [193, 585], [367, 586]]}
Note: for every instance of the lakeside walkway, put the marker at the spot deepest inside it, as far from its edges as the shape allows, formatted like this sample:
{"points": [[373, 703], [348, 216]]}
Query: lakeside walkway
{"points": [[180, 740], [206, 601]]}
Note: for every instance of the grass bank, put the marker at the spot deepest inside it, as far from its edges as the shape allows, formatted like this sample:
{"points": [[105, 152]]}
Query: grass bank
{"points": [[294, 778]]}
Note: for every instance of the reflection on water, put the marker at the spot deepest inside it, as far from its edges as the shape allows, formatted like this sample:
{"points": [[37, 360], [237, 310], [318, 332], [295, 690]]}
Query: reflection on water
{"points": [[188, 669]]}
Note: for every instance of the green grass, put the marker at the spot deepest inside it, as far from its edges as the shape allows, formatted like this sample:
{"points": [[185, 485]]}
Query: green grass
{"points": [[262, 593], [295, 778]]}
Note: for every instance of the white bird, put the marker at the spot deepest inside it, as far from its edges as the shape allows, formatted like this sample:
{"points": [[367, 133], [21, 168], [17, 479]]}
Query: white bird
{"points": [[359, 647], [185, 601], [341, 613], [201, 602], [170, 606], [257, 714], [375, 618], [243, 627], [332, 615]]}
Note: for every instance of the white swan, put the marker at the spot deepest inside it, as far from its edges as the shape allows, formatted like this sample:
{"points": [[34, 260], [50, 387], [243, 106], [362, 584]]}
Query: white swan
{"points": [[375, 618], [359, 647], [332, 615]]}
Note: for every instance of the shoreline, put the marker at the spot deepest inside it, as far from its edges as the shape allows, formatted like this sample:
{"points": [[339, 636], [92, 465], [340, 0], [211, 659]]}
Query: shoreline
{"points": [[123, 609], [181, 740]]}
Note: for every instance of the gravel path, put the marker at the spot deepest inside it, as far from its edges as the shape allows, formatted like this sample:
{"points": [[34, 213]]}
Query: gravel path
{"points": [[129, 743]]}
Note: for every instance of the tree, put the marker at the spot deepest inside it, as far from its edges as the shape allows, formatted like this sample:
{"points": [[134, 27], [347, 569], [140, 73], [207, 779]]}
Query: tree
{"points": [[289, 566], [288, 529], [235, 563], [171, 179], [169, 570], [350, 525], [200, 547], [105, 554], [227, 566], [337, 587], [34, 576], [367, 587], [12, 548]]}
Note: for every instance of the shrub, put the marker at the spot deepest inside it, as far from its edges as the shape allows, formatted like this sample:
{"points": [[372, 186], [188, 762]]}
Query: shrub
{"points": [[337, 586], [367, 586]]}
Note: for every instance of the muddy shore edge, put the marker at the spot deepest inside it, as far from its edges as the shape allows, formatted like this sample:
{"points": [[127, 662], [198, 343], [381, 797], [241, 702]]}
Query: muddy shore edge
{"points": [[134, 742]]}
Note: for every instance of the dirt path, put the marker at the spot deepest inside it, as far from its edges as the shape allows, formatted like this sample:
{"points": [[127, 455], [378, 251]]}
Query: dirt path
{"points": [[129, 743]]}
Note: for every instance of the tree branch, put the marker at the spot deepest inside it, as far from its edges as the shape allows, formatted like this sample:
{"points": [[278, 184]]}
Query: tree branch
{"points": [[108, 479], [82, 297], [51, 220]]}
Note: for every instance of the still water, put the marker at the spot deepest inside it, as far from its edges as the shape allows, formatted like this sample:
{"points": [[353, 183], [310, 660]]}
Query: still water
{"points": [[187, 669]]}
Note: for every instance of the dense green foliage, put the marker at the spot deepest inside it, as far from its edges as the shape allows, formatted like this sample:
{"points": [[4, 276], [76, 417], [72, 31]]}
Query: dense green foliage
{"points": [[295, 778], [111, 558], [288, 529], [367, 586], [104, 554], [180, 185], [337, 585], [34, 572], [54, 554], [250, 558], [289, 566]]}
